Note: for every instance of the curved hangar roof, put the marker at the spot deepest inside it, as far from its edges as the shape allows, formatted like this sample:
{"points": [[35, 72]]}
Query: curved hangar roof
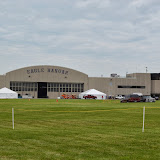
{"points": [[46, 73]]}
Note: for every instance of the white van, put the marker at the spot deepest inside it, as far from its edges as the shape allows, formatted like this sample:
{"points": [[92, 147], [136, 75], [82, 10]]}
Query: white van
{"points": [[149, 99]]}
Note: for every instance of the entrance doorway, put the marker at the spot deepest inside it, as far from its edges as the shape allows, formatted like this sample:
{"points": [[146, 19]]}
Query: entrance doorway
{"points": [[42, 90]]}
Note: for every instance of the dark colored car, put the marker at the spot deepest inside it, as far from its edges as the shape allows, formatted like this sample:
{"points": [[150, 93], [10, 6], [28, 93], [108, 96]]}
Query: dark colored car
{"points": [[143, 98], [156, 98], [89, 97], [132, 98]]}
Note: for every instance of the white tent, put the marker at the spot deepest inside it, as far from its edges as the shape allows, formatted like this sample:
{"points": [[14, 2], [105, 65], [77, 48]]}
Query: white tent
{"points": [[98, 94], [6, 93]]}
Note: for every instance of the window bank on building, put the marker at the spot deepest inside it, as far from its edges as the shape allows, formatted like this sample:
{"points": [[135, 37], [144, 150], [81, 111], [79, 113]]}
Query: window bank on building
{"points": [[54, 81]]}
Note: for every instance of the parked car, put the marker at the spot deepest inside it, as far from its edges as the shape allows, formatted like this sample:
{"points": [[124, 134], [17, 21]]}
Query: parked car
{"points": [[149, 99], [131, 98], [156, 98], [143, 99], [89, 97], [119, 97], [111, 97]]}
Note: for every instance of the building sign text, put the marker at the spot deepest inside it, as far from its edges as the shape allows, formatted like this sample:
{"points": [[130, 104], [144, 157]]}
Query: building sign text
{"points": [[49, 70]]}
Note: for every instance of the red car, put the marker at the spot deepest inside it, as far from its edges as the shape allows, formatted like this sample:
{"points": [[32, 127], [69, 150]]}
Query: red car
{"points": [[132, 98], [89, 97]]}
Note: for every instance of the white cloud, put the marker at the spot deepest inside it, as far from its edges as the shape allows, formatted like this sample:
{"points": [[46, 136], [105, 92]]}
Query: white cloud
{"points": [[92, 3], [141, 3], [2, 30], [109, 36]]}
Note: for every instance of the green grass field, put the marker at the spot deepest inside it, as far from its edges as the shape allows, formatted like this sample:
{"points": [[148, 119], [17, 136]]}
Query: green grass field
{"points": [[79, 130]]}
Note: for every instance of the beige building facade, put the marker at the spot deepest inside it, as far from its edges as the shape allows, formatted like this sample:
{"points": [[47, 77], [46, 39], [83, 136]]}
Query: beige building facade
{"points": [[53, 81]]}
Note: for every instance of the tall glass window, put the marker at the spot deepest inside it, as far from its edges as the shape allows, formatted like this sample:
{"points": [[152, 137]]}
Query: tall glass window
{"points": [[23, 86], [65, 87]]}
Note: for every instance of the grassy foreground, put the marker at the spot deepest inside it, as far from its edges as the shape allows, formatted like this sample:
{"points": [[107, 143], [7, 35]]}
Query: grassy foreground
{"points": [[79, 130]]}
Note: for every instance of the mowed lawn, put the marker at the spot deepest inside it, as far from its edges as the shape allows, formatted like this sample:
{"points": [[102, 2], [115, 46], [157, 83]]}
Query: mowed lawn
{"points": [[79, 130]]}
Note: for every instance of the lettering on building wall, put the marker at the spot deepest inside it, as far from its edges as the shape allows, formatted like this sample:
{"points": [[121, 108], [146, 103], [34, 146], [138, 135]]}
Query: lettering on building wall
{"points": [[49, 70]]}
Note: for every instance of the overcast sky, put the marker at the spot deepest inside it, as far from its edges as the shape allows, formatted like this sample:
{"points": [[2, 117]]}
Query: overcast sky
{"points": [[97, 37]]}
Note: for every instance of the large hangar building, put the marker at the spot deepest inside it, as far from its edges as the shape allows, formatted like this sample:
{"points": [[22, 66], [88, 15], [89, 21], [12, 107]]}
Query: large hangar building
{"points": [[53, 81]]}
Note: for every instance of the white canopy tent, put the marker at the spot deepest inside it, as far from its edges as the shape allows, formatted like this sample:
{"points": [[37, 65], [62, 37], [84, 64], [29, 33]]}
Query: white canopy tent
{"points": [[6, 93], [98, 94]]}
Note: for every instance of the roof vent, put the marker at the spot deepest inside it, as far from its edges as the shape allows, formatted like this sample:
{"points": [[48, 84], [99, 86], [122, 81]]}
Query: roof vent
{"points": [[115, 75]]}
